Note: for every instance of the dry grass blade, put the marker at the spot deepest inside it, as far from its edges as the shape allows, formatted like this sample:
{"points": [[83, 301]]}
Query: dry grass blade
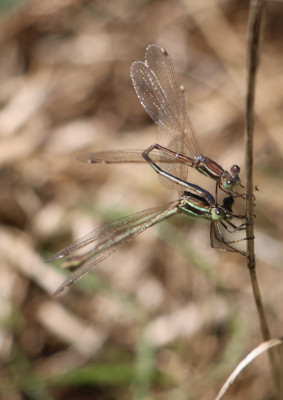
{"points": [[246, 361]]}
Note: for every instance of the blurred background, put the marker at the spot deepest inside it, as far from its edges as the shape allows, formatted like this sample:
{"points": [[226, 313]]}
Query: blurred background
{"points": [[166, 317]]}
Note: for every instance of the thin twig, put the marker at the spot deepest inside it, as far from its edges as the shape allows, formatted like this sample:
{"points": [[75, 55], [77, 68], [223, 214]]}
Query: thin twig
{"points": [[256, 11]]}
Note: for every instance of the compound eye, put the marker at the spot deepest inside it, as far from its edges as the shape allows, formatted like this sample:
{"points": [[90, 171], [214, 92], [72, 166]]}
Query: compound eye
{"points": [[217, 215], [228, 184], [235, 169]]}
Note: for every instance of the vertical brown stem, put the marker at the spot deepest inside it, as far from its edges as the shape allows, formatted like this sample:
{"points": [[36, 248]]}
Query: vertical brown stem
{"points": [[256, 11]]}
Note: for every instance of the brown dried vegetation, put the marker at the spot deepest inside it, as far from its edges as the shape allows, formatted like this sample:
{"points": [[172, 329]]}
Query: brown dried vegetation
{"points": [[167, 317]]}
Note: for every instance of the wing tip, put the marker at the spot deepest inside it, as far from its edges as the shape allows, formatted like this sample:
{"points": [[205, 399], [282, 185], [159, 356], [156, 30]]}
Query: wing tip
{"points": [[56, 257], [64, 286], [86, 158]]}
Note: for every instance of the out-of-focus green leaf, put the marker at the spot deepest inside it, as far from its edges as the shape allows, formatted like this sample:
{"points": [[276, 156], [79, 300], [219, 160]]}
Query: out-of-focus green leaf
{"points": [[7, 6], [110, 374]]}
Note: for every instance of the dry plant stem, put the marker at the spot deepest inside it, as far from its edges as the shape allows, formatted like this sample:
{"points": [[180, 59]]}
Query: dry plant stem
{"points": [[256, 9]]}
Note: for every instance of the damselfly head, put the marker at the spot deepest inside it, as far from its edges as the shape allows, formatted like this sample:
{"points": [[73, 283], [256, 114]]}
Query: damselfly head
{"points": [[232, 179], [235, 170], [228, 183], [217, 214]]}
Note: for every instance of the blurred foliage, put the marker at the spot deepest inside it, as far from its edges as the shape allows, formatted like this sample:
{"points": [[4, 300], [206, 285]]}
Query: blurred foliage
{"points": [[166, 317], [10, 5]]}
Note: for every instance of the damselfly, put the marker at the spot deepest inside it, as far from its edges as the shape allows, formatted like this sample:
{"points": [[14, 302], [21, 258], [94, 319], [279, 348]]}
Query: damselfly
{"points": [[110, 237], [164, 100]]}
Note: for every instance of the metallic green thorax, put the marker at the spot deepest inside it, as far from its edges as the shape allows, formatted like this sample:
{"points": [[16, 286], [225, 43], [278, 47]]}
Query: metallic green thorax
{"points": [[198, 207]]}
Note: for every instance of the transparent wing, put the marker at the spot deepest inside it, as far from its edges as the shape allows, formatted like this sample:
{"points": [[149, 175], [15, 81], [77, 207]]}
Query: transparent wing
{"points": [[125, 156], [163, 99], [110, 237], [176, 169], [153, 99], [172, 165], [223, 239], [103, 232]]}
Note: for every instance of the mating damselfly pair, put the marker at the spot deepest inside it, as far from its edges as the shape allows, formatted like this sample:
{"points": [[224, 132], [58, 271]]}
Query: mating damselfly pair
{"points": [[177, 149]]}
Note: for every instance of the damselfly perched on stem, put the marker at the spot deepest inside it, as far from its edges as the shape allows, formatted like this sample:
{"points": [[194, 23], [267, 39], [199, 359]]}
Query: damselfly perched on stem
{"points": [[164, 100], [155, 83], [110, 237]]}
